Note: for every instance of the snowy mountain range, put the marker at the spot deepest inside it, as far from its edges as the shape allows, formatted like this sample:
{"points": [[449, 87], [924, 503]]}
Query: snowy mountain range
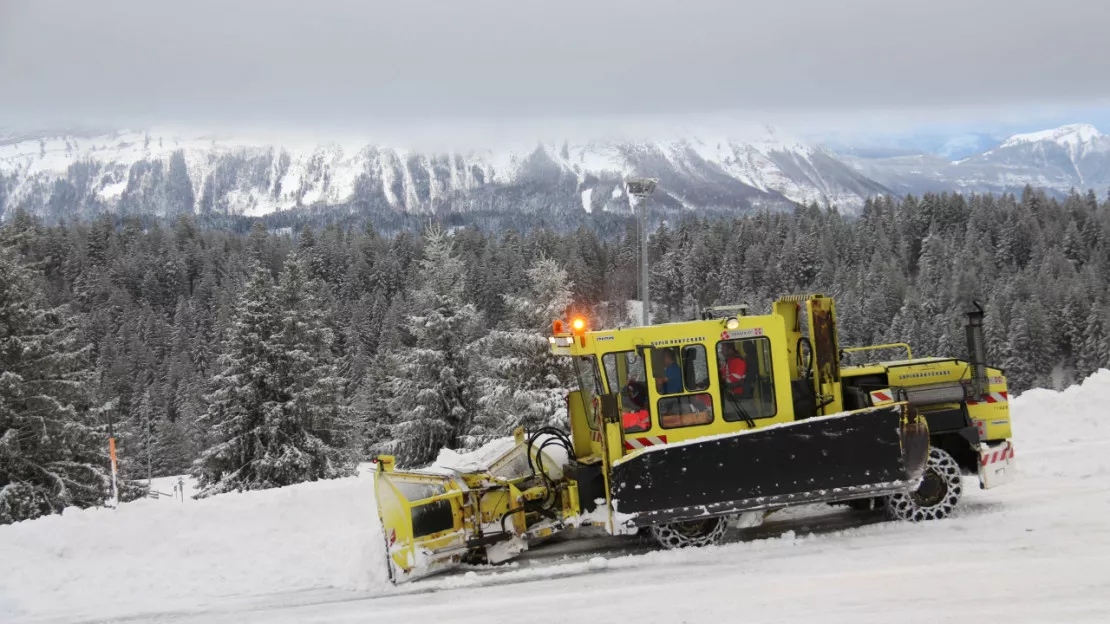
{"points": [[61, 175], [1058, 160]]}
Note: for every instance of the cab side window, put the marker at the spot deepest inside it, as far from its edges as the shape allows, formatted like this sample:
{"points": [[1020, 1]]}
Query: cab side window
{"points": [[682, 376], [746, 378]]}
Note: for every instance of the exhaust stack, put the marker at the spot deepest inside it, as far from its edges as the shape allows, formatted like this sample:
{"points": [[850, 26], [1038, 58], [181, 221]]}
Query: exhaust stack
{"points": [[977, 351]]}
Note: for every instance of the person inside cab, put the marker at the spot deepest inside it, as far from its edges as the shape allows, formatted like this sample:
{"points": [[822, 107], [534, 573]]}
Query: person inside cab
{"points": [[635, 417], [670, 382], [733, 369]]}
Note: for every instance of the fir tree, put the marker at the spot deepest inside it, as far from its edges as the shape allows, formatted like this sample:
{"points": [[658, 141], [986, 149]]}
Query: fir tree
{"points": [[433, 393], [51, 455], [276, 413], [522, 382]]}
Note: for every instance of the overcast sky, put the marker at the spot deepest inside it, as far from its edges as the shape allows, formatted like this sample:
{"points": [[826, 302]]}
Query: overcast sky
{"points": [[364, 65]]}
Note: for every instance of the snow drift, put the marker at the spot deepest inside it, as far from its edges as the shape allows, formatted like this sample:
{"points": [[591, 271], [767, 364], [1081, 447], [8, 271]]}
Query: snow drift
{"points": [[157, 555], [1041, 542]]}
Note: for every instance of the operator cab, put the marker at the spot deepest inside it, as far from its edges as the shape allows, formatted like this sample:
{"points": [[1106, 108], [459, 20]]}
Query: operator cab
{"points": [[727, 372]]}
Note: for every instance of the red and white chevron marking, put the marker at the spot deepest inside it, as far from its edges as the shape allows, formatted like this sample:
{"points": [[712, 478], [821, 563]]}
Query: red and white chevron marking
{"points": [[595, 436], [1002, 454], [632, 444], [993, 397], [881, 396]]}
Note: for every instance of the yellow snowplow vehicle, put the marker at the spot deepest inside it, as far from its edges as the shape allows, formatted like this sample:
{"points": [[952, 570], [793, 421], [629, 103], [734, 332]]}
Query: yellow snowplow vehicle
{"points": [[677, 429]]}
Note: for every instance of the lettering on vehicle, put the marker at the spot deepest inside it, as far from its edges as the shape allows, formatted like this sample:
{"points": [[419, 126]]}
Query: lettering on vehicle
{"points": [[656, 343], [920, 375], [999, 422], [600, 338], [741, 333]]}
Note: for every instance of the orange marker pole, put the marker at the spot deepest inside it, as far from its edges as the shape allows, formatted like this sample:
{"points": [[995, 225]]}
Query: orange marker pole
{"points": [[112, 454]]}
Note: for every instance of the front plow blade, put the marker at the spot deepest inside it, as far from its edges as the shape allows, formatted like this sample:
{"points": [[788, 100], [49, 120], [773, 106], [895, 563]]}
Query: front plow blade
{"points": [[859, 454], [422, 520]]}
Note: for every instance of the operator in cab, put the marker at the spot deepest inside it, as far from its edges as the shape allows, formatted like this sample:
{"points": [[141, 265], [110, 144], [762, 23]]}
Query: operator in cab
{"points": [[671, 381]]}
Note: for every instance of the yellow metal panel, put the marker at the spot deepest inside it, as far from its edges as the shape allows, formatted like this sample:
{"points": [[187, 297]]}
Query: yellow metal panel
{"points": [[927, 372], [410, 554], [579, 428], [790, 311], [826, 353], [992, 416]]}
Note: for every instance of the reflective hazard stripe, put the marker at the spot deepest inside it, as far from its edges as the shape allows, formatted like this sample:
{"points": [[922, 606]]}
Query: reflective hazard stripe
{"points": [[993, 397], [595, 436], [881, 396], [999, 455], [632, 444]]}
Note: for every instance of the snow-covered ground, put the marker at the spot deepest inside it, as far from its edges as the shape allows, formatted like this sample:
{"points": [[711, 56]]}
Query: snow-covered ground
{"points": [[1036, 550]]}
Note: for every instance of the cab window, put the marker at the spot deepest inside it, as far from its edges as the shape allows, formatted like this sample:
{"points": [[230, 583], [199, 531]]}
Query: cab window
{"points": [[695, 368], [585, 369], [682, 376], [746, 378], [685, 410], [624, 372]]}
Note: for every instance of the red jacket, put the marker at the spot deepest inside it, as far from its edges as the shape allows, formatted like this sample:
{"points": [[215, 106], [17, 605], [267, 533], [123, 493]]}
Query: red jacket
{"points": [[636, 421], [734, 371]]}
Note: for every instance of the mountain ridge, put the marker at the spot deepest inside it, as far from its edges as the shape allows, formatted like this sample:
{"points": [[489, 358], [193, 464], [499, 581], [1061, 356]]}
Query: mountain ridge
{"points": [[253, 177], [62, 175]]}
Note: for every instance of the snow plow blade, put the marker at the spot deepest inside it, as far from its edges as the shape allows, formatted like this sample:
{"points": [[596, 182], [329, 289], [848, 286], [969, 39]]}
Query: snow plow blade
{"points": [[865, 453], [422, 521]]}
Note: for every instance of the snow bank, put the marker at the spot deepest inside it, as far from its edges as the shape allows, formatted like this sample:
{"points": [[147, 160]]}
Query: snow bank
{"points": [[476, 460], [1058, 433], [156, 555], [483, 457], [1047, 417]]}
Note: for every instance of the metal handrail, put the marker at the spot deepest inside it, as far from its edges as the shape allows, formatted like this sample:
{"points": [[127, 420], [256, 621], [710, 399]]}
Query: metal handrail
{"points": [[893, 345]]}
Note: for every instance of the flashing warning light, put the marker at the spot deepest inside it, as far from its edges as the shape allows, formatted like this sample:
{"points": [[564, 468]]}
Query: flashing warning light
{"points": [[556, 327], [579, 324]]}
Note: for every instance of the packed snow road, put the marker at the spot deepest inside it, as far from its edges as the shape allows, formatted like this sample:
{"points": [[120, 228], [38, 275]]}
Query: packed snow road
{"points": [[1036, 550]]}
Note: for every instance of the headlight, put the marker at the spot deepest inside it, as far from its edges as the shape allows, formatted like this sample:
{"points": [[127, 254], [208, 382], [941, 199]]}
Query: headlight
{"points": [[732, 323]]}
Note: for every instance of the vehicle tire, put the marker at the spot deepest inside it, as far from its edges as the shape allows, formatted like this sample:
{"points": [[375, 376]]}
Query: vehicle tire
{"points": [[692, 534], [936, 496]]}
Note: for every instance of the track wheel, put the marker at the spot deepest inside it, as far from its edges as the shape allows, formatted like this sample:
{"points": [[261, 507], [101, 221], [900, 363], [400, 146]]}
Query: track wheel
{"points": [[695, 533], [937, 495]]}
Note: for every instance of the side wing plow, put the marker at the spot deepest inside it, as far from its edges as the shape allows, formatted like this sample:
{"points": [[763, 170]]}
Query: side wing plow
{"points": [[864, 453]]}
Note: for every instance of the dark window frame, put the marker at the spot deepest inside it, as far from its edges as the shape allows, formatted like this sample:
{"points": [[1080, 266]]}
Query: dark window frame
{"points": [[676, 350], [685, 373], [767, 350]]}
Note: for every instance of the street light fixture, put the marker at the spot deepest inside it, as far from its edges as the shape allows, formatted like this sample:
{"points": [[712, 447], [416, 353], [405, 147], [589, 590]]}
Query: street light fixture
{"points": [[641, 189]]}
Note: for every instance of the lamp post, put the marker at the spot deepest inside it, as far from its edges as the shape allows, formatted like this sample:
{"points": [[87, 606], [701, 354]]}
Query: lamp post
{"points": [[641, 189]]}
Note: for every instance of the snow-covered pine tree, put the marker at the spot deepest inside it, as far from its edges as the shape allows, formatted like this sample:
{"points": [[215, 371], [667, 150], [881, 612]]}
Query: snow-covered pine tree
{"points": [[315, 434], [522, 382], [432, 392], [243, 391], [276, 414], [51, 455]]}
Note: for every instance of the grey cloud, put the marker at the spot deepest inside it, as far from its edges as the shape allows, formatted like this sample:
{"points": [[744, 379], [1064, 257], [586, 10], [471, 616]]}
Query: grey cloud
{"points": [[360, 64]]}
